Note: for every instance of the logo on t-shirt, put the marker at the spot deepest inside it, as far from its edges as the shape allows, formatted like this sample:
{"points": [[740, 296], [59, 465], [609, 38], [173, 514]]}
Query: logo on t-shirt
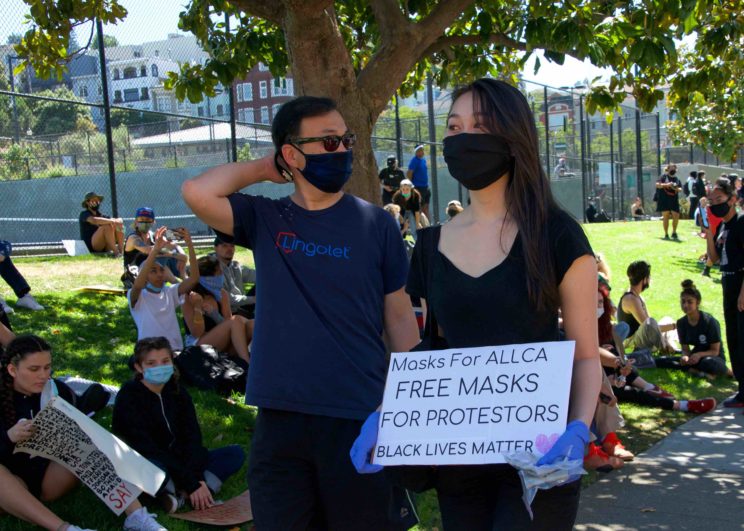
{"points": [[289, 243], [702, 339]]}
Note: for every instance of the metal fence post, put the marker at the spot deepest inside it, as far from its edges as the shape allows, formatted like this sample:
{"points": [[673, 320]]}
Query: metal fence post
{"points": [[621, 165], [583, 155], [107, 118], [398, 140], [231, 102], [433, 146], [547, 131], [175, 156], [658, 144], [639, 155], [692, 154], [612, 167], [28, 168]]}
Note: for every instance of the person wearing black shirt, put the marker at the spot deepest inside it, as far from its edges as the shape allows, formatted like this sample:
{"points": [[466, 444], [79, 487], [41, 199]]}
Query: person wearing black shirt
{"points": [[26, 387], [700, 331], [532, 258], [100, 232], [390, 178], [410, 202], [729, 248], [667, 200]]}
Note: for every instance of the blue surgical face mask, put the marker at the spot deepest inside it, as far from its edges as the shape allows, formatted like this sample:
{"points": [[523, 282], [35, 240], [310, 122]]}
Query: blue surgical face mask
{"points": [[143, 227], [328, 171], [152, 288], [158, 375]]}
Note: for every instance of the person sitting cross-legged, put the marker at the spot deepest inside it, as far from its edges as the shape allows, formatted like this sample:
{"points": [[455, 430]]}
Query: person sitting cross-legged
{"points": [[155, 415], [700, 338]]}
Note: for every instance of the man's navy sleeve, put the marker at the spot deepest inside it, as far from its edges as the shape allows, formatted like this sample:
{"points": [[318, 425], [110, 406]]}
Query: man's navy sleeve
{"points": [[395, 260], [244, 220]]}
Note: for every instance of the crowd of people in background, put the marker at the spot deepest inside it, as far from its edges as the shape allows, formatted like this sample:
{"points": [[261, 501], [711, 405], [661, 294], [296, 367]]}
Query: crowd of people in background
{"points": [[317, 351]]}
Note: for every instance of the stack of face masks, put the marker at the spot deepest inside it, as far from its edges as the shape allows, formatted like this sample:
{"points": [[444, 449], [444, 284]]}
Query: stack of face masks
{"points": [[544, 477]]}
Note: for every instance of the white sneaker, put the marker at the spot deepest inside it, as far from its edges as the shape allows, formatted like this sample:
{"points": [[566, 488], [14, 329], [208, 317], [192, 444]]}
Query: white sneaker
{"points": [[7, 309], [141, 520], [28, 302]]}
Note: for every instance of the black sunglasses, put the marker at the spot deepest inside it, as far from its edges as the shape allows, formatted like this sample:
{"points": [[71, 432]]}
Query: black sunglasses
{"points": [[330, 142]]}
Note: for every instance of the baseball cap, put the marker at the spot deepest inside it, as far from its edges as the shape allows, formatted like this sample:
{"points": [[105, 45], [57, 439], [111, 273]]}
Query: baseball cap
{"points": [[454, 202], [406, 182], [420, 146], [145, 212]]}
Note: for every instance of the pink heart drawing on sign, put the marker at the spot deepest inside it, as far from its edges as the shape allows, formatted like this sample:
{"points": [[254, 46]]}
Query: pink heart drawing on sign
{"points": [[545, 442]]}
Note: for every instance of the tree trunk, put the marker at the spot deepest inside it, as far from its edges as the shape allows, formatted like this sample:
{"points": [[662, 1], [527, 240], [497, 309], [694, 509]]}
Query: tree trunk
{"points": [[321, 66]]}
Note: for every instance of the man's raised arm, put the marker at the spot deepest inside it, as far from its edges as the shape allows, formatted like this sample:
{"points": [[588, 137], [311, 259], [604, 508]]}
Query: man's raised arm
{"points": [[206, 194]]}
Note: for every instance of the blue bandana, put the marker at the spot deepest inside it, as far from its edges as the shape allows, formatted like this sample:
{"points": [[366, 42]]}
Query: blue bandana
{"points": [[213, 285]]}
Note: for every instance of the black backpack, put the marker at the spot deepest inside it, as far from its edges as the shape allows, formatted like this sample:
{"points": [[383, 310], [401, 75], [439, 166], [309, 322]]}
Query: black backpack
{"points": [[205, 368]]}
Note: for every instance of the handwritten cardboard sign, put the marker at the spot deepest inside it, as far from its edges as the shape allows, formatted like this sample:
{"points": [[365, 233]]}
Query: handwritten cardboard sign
{"points": [[111, 469], [235, 511], [473, 405]]}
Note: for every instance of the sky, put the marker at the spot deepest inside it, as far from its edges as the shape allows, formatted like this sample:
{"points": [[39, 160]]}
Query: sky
{"points": [[152, 20]]}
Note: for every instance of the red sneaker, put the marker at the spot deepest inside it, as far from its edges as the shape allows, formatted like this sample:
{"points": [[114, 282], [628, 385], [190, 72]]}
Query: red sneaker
{"points": [[659, 392], [614, 448], [701, 406], [597, 459]]}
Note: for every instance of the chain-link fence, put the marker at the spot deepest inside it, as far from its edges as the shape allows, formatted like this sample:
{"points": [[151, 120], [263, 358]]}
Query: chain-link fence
{"points": [[118, 132]]}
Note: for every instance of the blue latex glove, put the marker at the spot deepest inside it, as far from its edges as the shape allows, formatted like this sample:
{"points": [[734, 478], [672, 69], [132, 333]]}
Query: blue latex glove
{"points": [[365, 442], [569, 446]]}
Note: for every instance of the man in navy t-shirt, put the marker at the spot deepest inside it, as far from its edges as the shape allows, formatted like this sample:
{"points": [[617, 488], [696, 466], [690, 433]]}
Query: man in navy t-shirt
{"points": [[331, 270], [418, 173]]}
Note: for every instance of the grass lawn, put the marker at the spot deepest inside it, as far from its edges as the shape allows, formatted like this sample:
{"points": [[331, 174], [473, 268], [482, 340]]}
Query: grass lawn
{"points": [[92, 336]]}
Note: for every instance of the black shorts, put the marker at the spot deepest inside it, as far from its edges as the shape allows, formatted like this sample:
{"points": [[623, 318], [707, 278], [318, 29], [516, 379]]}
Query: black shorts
{"points": [[31, 471], [667, 202], [425, 192], [301, 477]]}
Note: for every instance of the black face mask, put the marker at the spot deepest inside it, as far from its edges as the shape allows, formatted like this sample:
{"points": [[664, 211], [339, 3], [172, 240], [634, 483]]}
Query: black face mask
{"points": [[672, 172], [720, 211], [477, 160]]}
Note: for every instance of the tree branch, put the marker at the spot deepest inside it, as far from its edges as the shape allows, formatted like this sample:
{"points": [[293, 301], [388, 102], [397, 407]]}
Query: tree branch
{"points": [[390, 19], [271, 10], [441, 17], [445, 42]]}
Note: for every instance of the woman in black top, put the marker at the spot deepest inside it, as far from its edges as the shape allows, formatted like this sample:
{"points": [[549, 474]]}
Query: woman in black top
{"points": [[701, 331], [155, 415], [100, 232], [729, 248], [500, 271], [25, 387]]}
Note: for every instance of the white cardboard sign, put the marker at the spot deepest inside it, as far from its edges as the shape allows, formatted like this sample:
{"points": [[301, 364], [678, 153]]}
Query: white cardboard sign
{"points": [[473, 405], [116, 473]]}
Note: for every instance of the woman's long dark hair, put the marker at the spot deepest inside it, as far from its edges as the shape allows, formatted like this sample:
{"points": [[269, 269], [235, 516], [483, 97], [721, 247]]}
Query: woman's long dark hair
{"points": [[16, 351], [504, 111]]}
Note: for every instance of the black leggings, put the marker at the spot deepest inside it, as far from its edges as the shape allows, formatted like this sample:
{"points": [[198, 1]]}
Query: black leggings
{"points": [[709, 364], [734, 326], [636, 396]]}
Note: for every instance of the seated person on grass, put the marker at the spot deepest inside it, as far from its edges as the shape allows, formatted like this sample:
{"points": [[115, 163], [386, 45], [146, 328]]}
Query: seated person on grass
{"points": [[645, 332], [236, 277], [628, 384], [155, 415], [141, 242], [99, 232], [152, 304], [702, 332], [25, 482], [207, 315]]}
